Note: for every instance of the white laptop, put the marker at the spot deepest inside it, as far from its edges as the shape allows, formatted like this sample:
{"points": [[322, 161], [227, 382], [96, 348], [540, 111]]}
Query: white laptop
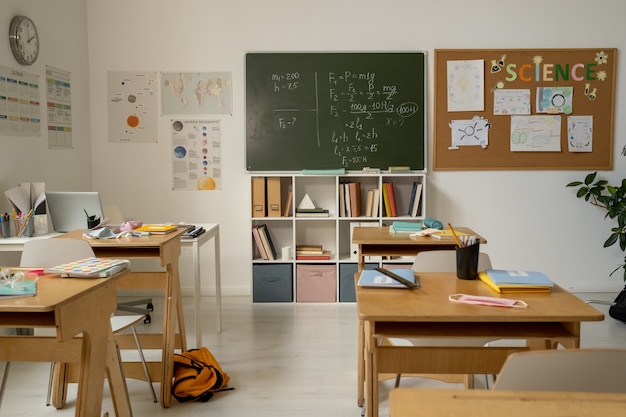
{"points": [[67, 209]]}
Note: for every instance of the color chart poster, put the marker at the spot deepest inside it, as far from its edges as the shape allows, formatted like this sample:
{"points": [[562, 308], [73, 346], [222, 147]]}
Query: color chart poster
{"points": [[132, 105]]}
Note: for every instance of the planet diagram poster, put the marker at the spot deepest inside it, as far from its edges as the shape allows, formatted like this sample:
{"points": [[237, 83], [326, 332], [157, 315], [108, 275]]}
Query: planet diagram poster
{"points": [[196, 154], [132, 106]]}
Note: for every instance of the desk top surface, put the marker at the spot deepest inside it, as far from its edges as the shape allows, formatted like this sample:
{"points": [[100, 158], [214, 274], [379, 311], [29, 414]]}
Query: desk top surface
{"points": [[130, 241], [381, 236], [474, 403], [430, 303], [53, 291]]}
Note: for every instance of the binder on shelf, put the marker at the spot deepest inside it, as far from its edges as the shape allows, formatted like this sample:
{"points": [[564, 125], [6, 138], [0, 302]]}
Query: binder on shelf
{"points": [[273, 197], [258, 197]]}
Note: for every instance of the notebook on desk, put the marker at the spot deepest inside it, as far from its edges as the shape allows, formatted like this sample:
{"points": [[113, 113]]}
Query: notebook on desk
{"points": [[67, 209]]}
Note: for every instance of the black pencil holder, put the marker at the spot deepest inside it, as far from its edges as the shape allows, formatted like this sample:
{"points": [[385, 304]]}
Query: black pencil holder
{"points": [[467, 261]]}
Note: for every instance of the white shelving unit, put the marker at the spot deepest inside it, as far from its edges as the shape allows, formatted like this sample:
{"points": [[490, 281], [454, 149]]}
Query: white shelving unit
{"points": [[279, 280]]}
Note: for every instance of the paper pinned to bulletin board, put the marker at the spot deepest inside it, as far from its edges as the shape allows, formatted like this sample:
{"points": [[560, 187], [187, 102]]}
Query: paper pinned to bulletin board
{"points": [[524, 109]]}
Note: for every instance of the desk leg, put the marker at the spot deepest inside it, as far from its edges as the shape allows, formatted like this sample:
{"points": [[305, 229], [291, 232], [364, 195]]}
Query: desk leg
{"points": [[198, 292], [360, 364], [371, 376], [218, 283], [172, 306]]}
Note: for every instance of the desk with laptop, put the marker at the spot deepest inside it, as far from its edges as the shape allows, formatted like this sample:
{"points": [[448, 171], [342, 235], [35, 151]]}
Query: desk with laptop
{"points": [[69, 211]]}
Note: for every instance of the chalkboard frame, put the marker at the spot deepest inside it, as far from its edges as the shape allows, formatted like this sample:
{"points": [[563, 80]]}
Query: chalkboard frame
{"points": [[265, 152]]}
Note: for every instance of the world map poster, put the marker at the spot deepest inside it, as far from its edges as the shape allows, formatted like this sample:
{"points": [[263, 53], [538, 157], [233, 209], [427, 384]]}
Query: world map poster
{"points": [[196, 93]]}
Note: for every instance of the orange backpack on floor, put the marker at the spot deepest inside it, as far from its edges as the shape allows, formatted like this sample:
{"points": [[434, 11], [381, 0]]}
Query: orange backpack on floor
{"points": [[197, 375]]}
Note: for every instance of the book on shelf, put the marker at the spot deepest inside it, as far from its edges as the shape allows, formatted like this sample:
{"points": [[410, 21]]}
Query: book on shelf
{"points": [[373, 278], [309, 250], [414, 203], [342, 201], [386, 204], [26, 288], [355, 199], [90, 268], [324, 256], [375, 202], [259, 243], [511, 281], [157, 229], [309, 247], [392, 200], [348, 199], [288, 204], [270, 250], [368, 203]]}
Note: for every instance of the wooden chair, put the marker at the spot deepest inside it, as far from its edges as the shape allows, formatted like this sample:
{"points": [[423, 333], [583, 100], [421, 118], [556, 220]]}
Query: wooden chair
{"points": [[579, 370], [443, 261], [42, 253]]}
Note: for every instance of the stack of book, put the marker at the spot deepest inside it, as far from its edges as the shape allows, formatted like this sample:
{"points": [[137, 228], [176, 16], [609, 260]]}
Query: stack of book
{"points": [[312, 212], [264, 242], [405, 227], [311, 253], [505, 281]]}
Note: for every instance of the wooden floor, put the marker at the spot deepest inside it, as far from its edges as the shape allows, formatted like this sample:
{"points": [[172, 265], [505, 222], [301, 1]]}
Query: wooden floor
{"points": [[283, 359]]}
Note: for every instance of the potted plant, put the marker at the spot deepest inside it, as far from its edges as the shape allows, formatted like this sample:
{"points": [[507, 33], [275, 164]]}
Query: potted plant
{"points": [[612, 199]]}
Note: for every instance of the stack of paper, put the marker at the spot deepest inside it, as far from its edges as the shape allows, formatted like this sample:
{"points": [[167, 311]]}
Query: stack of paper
{"points": [[509, 281]]}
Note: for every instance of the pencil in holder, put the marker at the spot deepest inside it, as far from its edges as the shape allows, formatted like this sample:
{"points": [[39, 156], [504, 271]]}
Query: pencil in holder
{"points": [[25, 227], [467, 261]]}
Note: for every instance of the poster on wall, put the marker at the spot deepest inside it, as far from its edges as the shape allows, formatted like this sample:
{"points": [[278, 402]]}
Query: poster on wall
{"points": [[196, 93], [132, 106], [20, 108], [196, 154], [59, 108]]}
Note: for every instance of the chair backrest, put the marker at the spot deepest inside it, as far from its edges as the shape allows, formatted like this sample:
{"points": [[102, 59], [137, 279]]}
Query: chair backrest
{"points": [[580, 370], [46, 253], [444, 261]]}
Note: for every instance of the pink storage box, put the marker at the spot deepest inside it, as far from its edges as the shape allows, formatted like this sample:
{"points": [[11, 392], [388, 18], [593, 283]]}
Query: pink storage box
{"points": [[316, 283]]}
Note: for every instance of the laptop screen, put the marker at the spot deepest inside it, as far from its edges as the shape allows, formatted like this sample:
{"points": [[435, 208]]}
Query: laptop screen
{"points": [[67, 209]]}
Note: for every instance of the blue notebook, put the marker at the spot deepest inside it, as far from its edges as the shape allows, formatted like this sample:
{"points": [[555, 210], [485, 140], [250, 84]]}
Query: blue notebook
{"points": [[18, 289], [375, 279], [512, 277]]}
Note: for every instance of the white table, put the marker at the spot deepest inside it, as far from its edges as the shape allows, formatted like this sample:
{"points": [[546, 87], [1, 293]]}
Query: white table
{"points": [[212, 232], [16, 244]]}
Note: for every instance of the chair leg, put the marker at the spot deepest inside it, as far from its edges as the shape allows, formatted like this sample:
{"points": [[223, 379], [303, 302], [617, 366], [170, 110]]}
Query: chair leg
{"points": [[50, 378], [3, 385], [143, 363]]}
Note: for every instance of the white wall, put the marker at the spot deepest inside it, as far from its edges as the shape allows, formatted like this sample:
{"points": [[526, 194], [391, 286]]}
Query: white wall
{"points": [[531, 220], [62, 27]]}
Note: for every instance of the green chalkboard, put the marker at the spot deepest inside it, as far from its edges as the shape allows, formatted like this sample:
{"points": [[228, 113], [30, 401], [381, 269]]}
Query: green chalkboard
{"points": [[335, 110]]}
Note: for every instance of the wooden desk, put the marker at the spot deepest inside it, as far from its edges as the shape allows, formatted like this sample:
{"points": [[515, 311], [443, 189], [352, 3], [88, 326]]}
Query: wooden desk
{"points": [[404, 402], [72, 306], [377, 241], [165, 248], [426, 312]]}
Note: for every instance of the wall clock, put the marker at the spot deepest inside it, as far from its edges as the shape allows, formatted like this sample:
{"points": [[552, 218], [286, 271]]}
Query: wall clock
{"points": [[24, 40]]}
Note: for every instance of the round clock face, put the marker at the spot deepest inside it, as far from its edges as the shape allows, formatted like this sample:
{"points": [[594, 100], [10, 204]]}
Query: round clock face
{"points": [[24, 40]]}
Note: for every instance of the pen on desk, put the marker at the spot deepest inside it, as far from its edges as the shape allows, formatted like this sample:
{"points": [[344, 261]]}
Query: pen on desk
{"points": [[456, 238]]}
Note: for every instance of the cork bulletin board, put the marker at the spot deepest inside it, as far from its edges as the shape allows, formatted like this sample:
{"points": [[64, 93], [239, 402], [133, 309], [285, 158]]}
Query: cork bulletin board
{"points": [[523, 109]]}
